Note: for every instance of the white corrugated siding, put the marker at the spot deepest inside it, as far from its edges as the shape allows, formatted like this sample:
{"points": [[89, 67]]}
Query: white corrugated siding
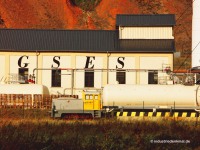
{"points": [[146, 33]]}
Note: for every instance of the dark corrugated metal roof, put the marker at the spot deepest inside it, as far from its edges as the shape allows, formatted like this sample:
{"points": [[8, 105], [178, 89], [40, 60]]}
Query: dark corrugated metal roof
{"points": [[147, 45], [61, 40], [32, 40], [146, 20]]}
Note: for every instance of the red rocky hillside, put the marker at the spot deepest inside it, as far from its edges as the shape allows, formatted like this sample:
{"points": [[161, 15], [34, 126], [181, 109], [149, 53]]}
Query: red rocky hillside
{"points": [[95, 14]]}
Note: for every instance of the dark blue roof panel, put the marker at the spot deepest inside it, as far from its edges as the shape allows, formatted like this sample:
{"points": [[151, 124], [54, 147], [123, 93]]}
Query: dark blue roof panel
{"points": [[31, 40], [145, 20], [60, 40]]}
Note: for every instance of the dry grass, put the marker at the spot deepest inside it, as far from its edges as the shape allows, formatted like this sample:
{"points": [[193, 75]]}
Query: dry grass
{"points": [[38, 131]]}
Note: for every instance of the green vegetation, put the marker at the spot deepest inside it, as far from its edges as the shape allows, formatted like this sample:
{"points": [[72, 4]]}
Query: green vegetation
{"points": [[35, 130], [87, 5]]}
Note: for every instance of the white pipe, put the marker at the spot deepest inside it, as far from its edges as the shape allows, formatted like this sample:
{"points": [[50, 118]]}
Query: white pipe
{"points": [[196, 34]]}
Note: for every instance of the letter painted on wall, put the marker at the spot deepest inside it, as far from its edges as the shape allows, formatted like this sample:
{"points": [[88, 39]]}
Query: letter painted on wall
{"points": [[22, 65], [120, 61], [89, 62], [52, 61], [56, 60]]}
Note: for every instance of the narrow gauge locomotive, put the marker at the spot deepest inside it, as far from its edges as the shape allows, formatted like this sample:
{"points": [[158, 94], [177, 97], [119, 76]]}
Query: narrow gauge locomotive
{"points": [[126, 98]]}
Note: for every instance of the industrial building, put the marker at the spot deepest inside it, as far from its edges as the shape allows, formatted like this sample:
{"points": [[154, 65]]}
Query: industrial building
{"points": [[68, 61]]}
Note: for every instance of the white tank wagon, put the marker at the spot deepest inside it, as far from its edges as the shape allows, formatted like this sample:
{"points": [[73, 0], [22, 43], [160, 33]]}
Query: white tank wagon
{"points": [[151, 96], [16, 94], [21, 89]]}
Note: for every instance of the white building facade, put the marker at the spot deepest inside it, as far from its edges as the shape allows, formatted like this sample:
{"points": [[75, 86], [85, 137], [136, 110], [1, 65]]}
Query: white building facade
{"points": [[69, 61]]}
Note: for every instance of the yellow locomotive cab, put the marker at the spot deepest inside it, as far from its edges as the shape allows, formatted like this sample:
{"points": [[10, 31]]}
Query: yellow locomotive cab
{"points": [[91, 100]]}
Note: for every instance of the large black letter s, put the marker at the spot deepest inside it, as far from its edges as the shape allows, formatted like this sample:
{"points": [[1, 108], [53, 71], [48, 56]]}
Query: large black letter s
{"points": [[120, 62], [56, 61]]}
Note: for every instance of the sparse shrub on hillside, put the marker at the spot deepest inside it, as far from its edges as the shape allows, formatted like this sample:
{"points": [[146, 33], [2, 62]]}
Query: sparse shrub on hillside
{"points": [[1, 20], [87, 5], [152, 7]]}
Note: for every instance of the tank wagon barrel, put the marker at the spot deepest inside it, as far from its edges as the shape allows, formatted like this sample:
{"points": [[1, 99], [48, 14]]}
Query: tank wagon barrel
{"points": [[21, 89], [16, 94], [155, 96]]}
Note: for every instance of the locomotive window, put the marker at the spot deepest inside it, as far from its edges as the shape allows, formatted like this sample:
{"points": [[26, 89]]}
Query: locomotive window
{"points": [[95, 97], [89, 79], [24, 73], [56, 78], [153, 77], [121, 77], [91, 96], [87, 97]]}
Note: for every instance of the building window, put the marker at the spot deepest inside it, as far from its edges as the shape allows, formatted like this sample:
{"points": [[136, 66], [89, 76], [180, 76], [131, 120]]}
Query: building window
{"points": [[153, 77], [56, 78], [89, 79], [23, 73], [121, 77]]}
